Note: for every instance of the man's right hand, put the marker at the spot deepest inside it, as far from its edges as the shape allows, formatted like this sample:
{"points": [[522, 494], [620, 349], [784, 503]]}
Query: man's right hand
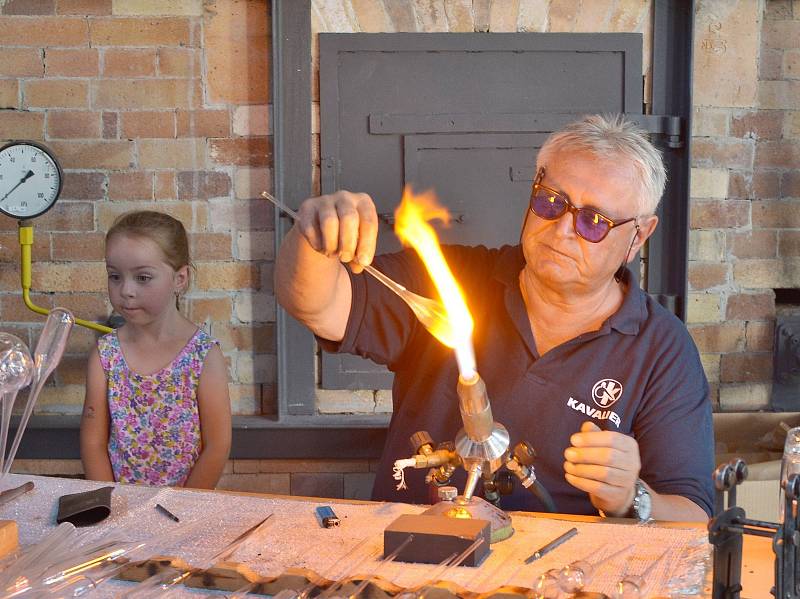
{"points": [[342, 225]]}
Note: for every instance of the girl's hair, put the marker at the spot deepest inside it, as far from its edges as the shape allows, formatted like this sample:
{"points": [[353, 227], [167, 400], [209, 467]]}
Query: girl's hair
{"points": [[612, 136], [167, 232]]}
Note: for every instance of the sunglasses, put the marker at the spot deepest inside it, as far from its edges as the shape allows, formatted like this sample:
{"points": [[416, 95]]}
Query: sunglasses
{"points": [[550, 204]]}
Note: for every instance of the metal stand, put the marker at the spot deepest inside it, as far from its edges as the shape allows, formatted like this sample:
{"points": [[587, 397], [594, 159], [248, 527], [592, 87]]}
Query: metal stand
{"points": [[725, 532]]}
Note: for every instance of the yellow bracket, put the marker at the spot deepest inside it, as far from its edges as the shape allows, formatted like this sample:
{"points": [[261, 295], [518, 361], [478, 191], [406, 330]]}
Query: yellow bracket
{"points": [[25, 246]]}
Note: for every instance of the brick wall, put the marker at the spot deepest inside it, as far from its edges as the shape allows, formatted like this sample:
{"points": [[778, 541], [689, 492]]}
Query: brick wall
{"points": [[146, 105], [167, 105], [745, 220]]}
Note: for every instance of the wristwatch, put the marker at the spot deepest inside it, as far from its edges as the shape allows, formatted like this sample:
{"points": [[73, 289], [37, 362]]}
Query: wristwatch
{"points": [[642, 505]]}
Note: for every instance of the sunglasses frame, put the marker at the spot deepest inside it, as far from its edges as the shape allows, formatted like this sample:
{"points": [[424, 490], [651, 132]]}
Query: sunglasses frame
{"points": [[572, 209]]}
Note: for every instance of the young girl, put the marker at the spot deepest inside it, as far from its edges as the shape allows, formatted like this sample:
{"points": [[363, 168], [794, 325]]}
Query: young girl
{"points": [[157, 409]]}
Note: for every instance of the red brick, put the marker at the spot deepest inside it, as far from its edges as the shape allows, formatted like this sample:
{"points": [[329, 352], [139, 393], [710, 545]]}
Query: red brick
{"points": [[210, 246], [164, 185], [68, 216], [705, 275], [178, 62], [776, 214], [110, 125], [723, 152], [753, 244], [84, 7], [746, 368], [202, 185], [78, 246], [758, 124], [9, 93], [203, 123], [716, 338], [770, 64], [148, 124], [760, 336], [751, 306], [135, 185], [740, 185], [777, 10], [255, 338], [244, 151], [29, 7], [71, 371], [56, 93], [766, 184], [790, 184], [227, 275], [720, 214], [94, 154], [21, 62], [212, 308], [44, 32], [72, 124], [243, 215], [73, 62], [129, 63], [783, 34], [789, 244], [141, 94], [778, 154], [18, 124], [162, 31], [15, 310], [83, 186]]}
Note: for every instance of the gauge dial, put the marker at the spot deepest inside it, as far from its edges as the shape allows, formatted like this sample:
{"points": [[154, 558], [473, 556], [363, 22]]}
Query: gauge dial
{"points": [[30, 179]]}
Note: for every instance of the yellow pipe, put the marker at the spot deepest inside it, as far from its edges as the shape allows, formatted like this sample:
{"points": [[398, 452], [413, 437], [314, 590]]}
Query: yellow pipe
{"points": [[25, 245]]}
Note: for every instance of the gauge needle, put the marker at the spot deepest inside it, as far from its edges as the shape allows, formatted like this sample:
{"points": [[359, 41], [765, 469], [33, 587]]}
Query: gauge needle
{"points": [[27, 176]]}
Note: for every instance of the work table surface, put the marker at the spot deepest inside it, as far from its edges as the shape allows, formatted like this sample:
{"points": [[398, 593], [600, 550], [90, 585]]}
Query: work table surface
{"points": [[293, 539]]}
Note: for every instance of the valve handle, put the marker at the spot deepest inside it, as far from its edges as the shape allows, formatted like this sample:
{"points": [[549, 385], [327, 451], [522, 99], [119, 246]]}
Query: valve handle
{"points": [[525, 453], [420, 439]]}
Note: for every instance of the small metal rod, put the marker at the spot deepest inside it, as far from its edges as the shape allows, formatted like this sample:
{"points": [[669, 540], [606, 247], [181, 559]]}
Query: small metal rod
{"points": [[759, 523]]}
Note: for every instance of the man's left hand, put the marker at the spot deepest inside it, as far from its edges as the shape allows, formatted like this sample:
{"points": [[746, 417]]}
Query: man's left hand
{"points": [[606, 465]]}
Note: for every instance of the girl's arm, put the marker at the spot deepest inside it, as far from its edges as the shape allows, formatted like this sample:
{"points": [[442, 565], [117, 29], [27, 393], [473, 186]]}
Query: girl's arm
{"points": [[95, 422], [214, 405]]}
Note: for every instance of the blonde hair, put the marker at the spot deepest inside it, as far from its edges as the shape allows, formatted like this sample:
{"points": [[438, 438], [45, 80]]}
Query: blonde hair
{"points": [[616, 137], [166, 232]]}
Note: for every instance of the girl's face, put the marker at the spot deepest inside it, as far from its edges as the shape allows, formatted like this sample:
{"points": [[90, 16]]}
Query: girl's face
{"points": [[141, 284]]}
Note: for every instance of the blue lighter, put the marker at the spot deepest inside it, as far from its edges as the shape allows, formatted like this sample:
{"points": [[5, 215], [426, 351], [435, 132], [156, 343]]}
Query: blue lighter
{"points": [[326, 516]]}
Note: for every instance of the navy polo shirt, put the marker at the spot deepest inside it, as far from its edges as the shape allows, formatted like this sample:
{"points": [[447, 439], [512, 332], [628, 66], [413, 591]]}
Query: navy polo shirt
{"points": [[640, 374]]}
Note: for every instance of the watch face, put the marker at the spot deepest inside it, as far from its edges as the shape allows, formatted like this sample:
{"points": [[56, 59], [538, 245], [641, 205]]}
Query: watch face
{"points": [[30, 179]]}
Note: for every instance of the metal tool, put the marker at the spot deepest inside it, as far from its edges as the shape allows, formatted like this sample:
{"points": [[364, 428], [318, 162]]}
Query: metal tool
{"points": [[428, 311], [539, 553], [167, 513]]}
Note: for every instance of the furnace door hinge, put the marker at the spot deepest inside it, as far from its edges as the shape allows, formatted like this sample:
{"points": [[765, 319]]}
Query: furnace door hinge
{"points": [[668, 127]]}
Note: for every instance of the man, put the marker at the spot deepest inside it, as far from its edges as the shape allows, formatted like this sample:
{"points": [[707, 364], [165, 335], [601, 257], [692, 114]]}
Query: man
{"points": [[604, 383]]}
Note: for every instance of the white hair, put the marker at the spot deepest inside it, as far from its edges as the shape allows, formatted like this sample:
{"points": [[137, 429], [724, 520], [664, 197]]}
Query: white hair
{"points": [[614, 136]]}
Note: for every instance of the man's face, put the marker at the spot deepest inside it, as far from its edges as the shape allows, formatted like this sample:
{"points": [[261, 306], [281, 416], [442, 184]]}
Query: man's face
{"points": [[555, 255]]}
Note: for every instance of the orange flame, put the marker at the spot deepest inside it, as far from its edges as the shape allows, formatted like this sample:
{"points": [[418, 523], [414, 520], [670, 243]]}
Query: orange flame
{"points": [[411, 226]]}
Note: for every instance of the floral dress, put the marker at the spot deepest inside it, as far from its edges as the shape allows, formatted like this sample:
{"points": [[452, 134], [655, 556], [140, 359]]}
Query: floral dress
{"points": [[155, 424]]}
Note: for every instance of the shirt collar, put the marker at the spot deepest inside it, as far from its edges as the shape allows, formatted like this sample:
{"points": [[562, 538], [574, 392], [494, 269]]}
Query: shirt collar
{"points": [[626, 320]]}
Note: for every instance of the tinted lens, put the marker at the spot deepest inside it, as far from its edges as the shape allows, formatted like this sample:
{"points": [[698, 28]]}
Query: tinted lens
{"points": [[547, 205], [590, 225]]}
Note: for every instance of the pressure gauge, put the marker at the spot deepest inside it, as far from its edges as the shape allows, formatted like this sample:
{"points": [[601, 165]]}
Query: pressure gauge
{"points": [[30, 179]]}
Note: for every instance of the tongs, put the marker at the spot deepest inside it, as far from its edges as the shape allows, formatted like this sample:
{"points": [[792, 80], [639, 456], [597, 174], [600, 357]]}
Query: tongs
{"points": [[428, 311]]}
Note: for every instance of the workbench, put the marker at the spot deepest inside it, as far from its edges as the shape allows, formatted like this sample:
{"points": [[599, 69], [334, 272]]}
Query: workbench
{"points": [[292, 548]]}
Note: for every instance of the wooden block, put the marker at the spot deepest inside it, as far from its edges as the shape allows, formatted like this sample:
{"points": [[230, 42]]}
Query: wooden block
{"points": [[9, 537]]}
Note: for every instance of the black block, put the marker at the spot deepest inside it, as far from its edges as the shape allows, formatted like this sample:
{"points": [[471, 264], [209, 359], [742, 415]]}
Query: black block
{"points": [[436, 538]]}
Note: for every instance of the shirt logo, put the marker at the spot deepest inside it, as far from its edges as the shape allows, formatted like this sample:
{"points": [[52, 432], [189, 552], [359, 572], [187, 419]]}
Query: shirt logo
{"points": [[606, 392]]}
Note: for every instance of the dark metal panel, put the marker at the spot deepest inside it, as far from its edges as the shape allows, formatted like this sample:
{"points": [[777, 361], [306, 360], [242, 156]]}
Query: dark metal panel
{"points": [[291, 88], [377, 89], [672, 95]]}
